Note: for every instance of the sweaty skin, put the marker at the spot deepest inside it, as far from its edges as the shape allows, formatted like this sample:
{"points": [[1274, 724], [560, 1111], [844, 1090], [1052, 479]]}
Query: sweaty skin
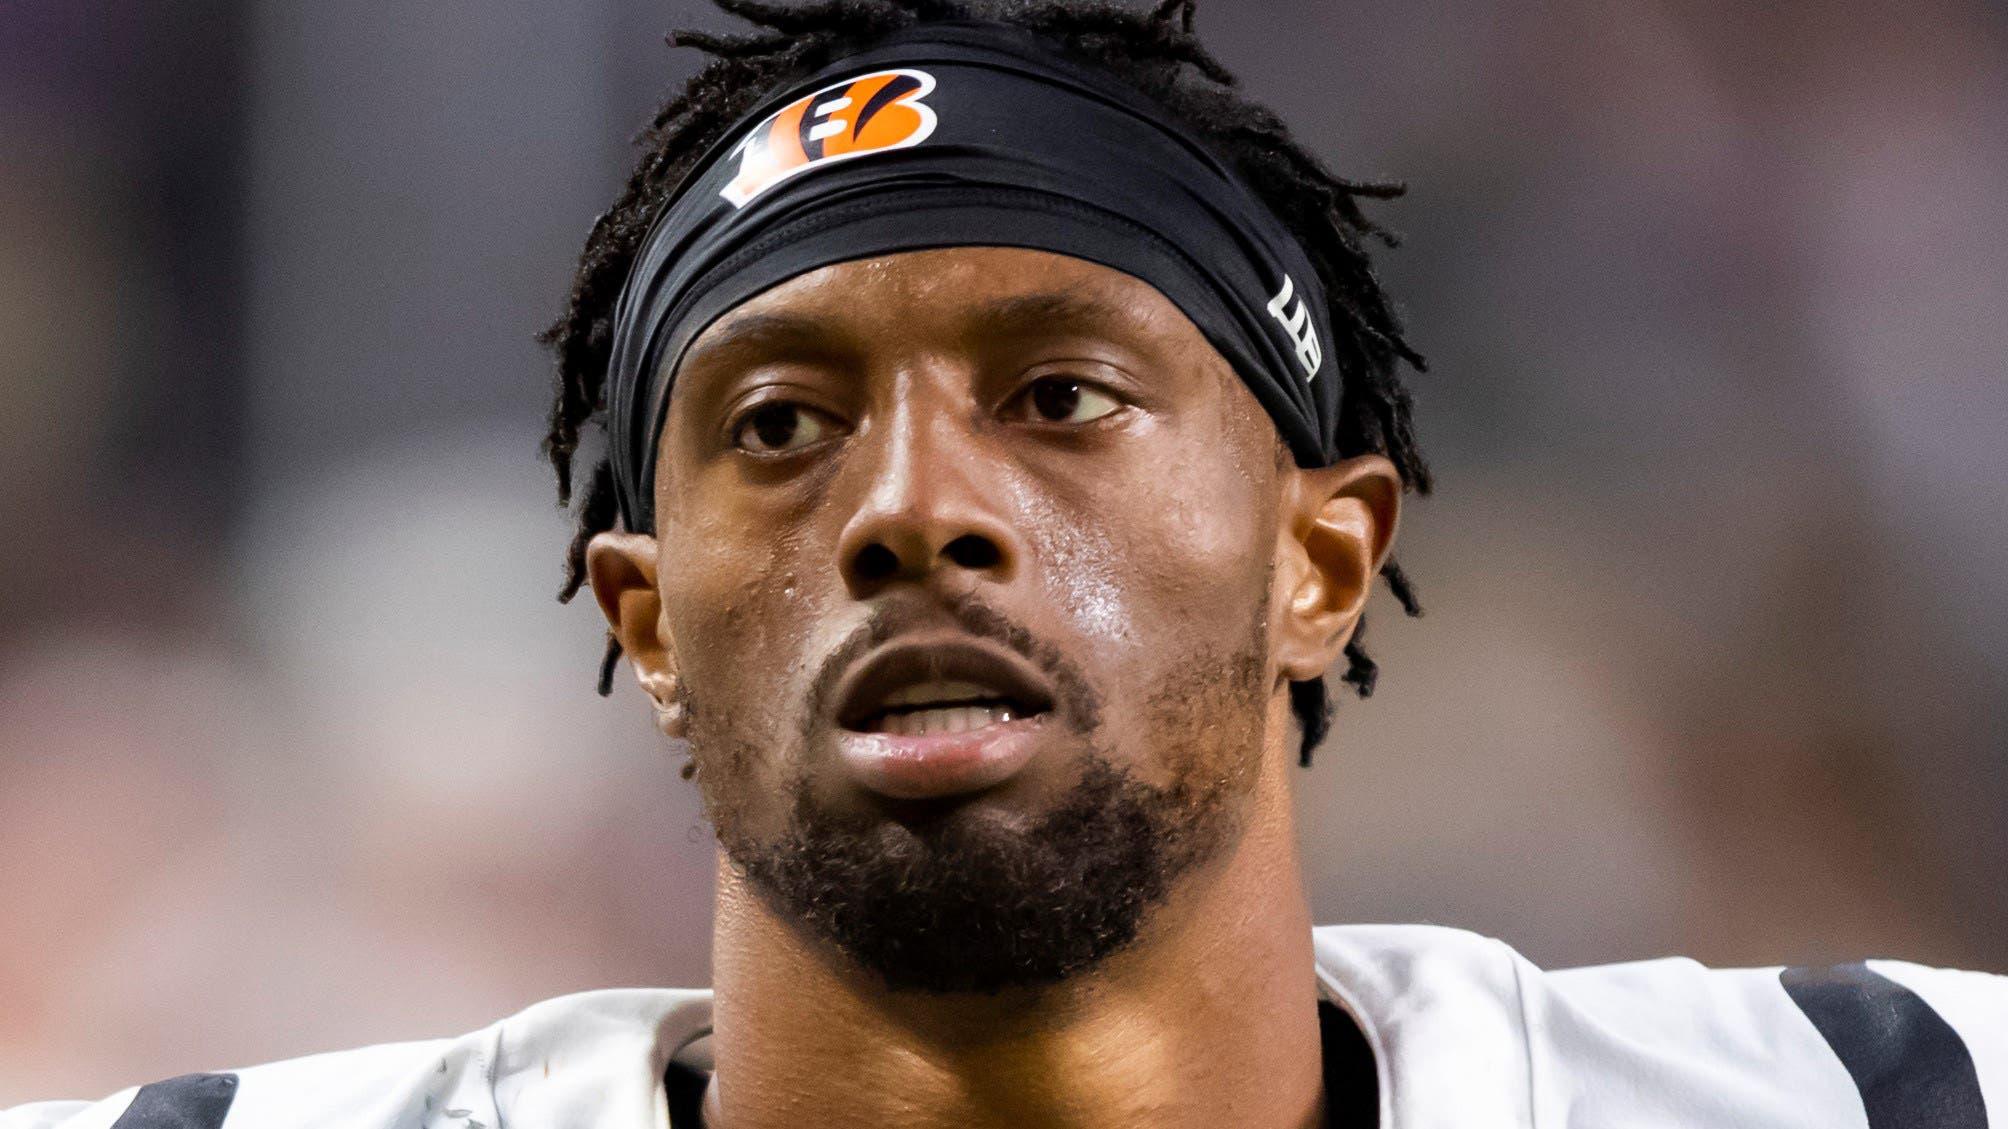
{"points": [[1057, 442]]}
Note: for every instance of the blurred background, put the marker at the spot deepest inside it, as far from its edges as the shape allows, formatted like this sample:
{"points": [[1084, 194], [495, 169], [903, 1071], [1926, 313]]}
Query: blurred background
{"points": [[297, 751]]}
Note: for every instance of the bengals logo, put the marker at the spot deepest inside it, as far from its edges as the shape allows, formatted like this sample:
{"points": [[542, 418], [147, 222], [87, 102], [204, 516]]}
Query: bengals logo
{"points": [[875, 113]]}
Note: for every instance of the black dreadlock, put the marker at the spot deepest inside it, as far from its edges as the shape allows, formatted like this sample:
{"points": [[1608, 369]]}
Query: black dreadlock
{"points": [[1154, 51]]}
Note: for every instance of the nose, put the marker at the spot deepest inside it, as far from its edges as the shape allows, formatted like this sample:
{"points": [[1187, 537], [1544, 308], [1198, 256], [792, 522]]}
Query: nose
{"points": [[928, 509]]}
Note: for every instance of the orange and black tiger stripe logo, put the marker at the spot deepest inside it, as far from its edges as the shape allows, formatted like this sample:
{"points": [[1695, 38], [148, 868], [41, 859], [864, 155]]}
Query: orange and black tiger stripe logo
{"points": [[874, 113]]}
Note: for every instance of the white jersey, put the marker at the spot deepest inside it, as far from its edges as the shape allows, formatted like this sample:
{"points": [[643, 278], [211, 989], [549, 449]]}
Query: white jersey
{"points": [[1463, 1033]]}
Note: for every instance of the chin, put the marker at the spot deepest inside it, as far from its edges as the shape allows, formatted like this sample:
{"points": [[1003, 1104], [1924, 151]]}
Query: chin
{"points": [[983, 894]]}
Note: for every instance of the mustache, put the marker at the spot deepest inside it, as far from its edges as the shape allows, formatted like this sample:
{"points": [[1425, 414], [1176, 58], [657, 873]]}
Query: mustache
{"points": [[1074, 698]]}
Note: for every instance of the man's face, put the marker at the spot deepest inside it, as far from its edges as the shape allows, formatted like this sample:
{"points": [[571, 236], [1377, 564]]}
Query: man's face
{"points": [[964, 567]]}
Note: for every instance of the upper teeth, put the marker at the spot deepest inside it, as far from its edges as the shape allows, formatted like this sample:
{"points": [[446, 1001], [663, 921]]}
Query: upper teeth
{"points": [[928, 693], [927, 722]]}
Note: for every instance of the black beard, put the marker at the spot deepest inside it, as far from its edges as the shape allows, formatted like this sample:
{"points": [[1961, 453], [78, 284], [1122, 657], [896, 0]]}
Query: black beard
{"points": [[960, 903], [966, 905]]}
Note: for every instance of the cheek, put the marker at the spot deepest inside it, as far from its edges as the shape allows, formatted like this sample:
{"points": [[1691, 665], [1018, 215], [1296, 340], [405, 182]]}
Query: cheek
{"points": [[726, 574], [1158, 563], [737, 616]]}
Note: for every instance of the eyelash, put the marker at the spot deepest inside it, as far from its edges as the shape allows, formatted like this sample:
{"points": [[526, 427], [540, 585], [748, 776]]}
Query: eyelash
{"points": [[1087, 386], [745, 418]]}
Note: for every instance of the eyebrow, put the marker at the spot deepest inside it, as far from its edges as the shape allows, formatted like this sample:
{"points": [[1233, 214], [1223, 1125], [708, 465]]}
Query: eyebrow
{"points": [[766, 337], [1063, 311], [807, 337]]}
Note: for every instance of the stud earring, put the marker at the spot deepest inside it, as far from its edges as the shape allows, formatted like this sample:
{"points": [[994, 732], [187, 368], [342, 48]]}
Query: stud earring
{"points": [[670, 716]]}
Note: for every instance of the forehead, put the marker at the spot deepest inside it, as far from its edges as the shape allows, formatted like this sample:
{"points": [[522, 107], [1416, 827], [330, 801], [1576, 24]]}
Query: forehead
{"points": [[966, 291]]}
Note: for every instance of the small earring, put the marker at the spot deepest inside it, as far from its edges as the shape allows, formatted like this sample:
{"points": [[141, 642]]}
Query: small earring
{"points": [[670, 716]]}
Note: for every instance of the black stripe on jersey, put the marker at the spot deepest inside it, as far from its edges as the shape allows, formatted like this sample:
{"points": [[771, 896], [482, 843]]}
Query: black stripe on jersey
{"points": [[1352, 1081], [192, 1101], [1912, 1068]]}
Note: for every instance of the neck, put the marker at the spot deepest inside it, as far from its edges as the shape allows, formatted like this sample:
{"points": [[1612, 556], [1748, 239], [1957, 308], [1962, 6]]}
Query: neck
{"points": [[1208, 1018]]}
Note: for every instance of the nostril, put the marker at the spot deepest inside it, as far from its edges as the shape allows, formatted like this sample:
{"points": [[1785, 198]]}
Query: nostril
{"points": [[972, 552], [875, 562]]}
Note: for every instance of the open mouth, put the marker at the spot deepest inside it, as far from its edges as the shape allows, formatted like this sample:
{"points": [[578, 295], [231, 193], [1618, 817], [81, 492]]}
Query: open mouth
{"points": [[912, 689], [942, 706], [940, 716]]}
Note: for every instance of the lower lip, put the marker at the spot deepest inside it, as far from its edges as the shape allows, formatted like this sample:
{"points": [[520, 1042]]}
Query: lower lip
{"points": [[939, 764]]}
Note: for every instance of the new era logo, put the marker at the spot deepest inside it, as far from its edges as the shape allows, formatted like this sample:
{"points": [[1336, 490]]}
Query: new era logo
{"points": [[1296, 322]]}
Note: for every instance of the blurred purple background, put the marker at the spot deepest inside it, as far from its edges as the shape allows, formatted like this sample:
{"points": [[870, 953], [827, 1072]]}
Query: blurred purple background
{"points": [[297, 752]]}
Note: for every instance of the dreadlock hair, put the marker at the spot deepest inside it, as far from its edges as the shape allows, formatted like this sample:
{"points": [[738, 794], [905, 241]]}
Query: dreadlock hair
{"points": [[1154, 51]]}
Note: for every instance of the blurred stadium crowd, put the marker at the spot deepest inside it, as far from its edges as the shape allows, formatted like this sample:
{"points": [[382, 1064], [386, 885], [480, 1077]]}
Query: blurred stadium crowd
{"points": [[297, 752]]}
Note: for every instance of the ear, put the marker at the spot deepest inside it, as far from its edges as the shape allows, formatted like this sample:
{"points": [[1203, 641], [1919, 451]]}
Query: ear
{"points": [[622, 569], [1338, 525]]}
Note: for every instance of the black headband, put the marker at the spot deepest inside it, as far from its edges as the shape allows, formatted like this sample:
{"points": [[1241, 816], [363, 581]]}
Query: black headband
{"points": [[967, 134]]}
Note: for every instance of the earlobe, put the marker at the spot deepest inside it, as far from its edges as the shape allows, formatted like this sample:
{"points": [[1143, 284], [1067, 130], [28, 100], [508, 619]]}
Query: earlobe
{"points": [[622, 570], [1338, 527]]}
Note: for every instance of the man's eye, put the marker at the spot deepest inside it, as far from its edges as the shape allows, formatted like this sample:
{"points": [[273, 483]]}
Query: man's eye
{"points": [[778, 427], [1058, 399]]}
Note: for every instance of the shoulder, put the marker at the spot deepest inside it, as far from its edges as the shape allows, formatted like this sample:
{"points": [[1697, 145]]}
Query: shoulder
{"points": [[1875, 1043], [595, 1058]]}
